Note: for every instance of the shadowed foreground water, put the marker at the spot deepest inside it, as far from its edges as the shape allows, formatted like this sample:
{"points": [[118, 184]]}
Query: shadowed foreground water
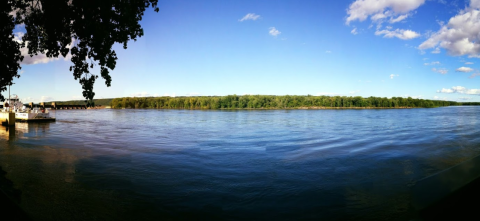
{"points": [[229, 165]]}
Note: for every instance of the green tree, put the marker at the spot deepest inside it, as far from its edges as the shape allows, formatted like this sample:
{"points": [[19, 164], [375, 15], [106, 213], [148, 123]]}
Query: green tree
{"points": [[10, 55], [86, 29]]}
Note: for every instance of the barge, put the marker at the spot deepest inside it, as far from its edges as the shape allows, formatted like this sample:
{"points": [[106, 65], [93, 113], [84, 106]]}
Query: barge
{"points": [[27, 114]]}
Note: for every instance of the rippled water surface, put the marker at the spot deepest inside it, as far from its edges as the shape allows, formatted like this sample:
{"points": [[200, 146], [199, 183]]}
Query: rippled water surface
{"points": [[253, 165]]}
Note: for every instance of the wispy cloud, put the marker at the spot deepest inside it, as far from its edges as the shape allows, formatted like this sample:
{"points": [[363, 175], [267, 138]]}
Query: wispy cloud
{"points": [[474, 75], [327, 94], [273, 31], [249, 16], [440, 70], [432, 63], [398, 33], [328, 52], [26, 100], [468, 62], [354, 31], [399, 18], [393, 75], [439, 98], [141, 94], [464, 98], [436, 51], [46, 98]]}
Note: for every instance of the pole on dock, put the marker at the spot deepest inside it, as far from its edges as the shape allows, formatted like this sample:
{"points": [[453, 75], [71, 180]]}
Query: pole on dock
{"points": [[9, 108]]}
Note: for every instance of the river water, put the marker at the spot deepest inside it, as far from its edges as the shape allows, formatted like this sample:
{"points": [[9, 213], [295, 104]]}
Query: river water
{"points": [[232, 165]]}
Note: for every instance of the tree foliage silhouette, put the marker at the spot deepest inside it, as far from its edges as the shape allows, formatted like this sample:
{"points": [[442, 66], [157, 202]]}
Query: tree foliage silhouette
{"points": [[85, 29]]}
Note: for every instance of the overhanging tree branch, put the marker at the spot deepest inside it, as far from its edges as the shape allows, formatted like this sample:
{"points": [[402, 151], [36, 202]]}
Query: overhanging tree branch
{"points": [[94, 25]]}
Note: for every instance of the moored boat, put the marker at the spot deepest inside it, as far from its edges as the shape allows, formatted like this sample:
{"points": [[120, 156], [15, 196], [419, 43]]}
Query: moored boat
{"points": [[26, 114]]}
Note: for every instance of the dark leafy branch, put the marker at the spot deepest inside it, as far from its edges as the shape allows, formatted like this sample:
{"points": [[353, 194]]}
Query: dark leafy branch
{"points": [[87, 29], [10, 55]]}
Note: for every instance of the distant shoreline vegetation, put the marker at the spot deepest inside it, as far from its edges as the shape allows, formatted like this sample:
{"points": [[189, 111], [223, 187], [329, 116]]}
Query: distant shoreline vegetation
{"points": [[277, 102]]}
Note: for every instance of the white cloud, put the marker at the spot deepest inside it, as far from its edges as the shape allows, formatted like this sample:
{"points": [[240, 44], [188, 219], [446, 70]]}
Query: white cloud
{"points": [[475, 4], [273, 31], [393, 75], [436, 51], [328, 52], [26, 100], [444, 90], [464, 98], [439, 98], [398, 33], [378, 10], [249, 16], [17, 36], [460, 35], [440, 70], [46, 98], [35, 59], [354, 92], [414, 97], [460, 90], [399, 18], [468, 62], [192, 94], [432, 63], [464, 69], [169, 95], [354, 31], [474, 75], [327, 94], [141, 94]]}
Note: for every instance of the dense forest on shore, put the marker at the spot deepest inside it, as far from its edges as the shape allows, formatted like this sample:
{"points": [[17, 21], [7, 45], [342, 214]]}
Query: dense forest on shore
{"points": [[273, 102]]}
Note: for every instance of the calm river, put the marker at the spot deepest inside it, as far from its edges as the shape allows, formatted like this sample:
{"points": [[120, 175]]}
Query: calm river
{"points": [[232, 165]]}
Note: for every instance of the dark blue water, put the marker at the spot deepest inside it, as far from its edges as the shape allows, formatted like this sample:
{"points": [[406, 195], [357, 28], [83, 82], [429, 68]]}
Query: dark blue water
{"points": [[230, 165]]}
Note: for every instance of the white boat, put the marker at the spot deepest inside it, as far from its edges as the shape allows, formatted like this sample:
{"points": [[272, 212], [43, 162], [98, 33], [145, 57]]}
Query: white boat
{"points": [[26, 114]]}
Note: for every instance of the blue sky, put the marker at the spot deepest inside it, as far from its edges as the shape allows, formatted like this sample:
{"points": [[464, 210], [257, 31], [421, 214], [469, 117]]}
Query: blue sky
{"points": [[420, 48]]}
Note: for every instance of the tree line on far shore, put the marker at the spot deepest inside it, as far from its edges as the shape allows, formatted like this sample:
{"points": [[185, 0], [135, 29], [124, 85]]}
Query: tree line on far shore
{"points": [[274, 102]]}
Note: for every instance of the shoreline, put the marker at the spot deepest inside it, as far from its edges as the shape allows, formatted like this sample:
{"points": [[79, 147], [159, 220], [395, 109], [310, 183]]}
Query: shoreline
{"points": [[262, 108]]}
